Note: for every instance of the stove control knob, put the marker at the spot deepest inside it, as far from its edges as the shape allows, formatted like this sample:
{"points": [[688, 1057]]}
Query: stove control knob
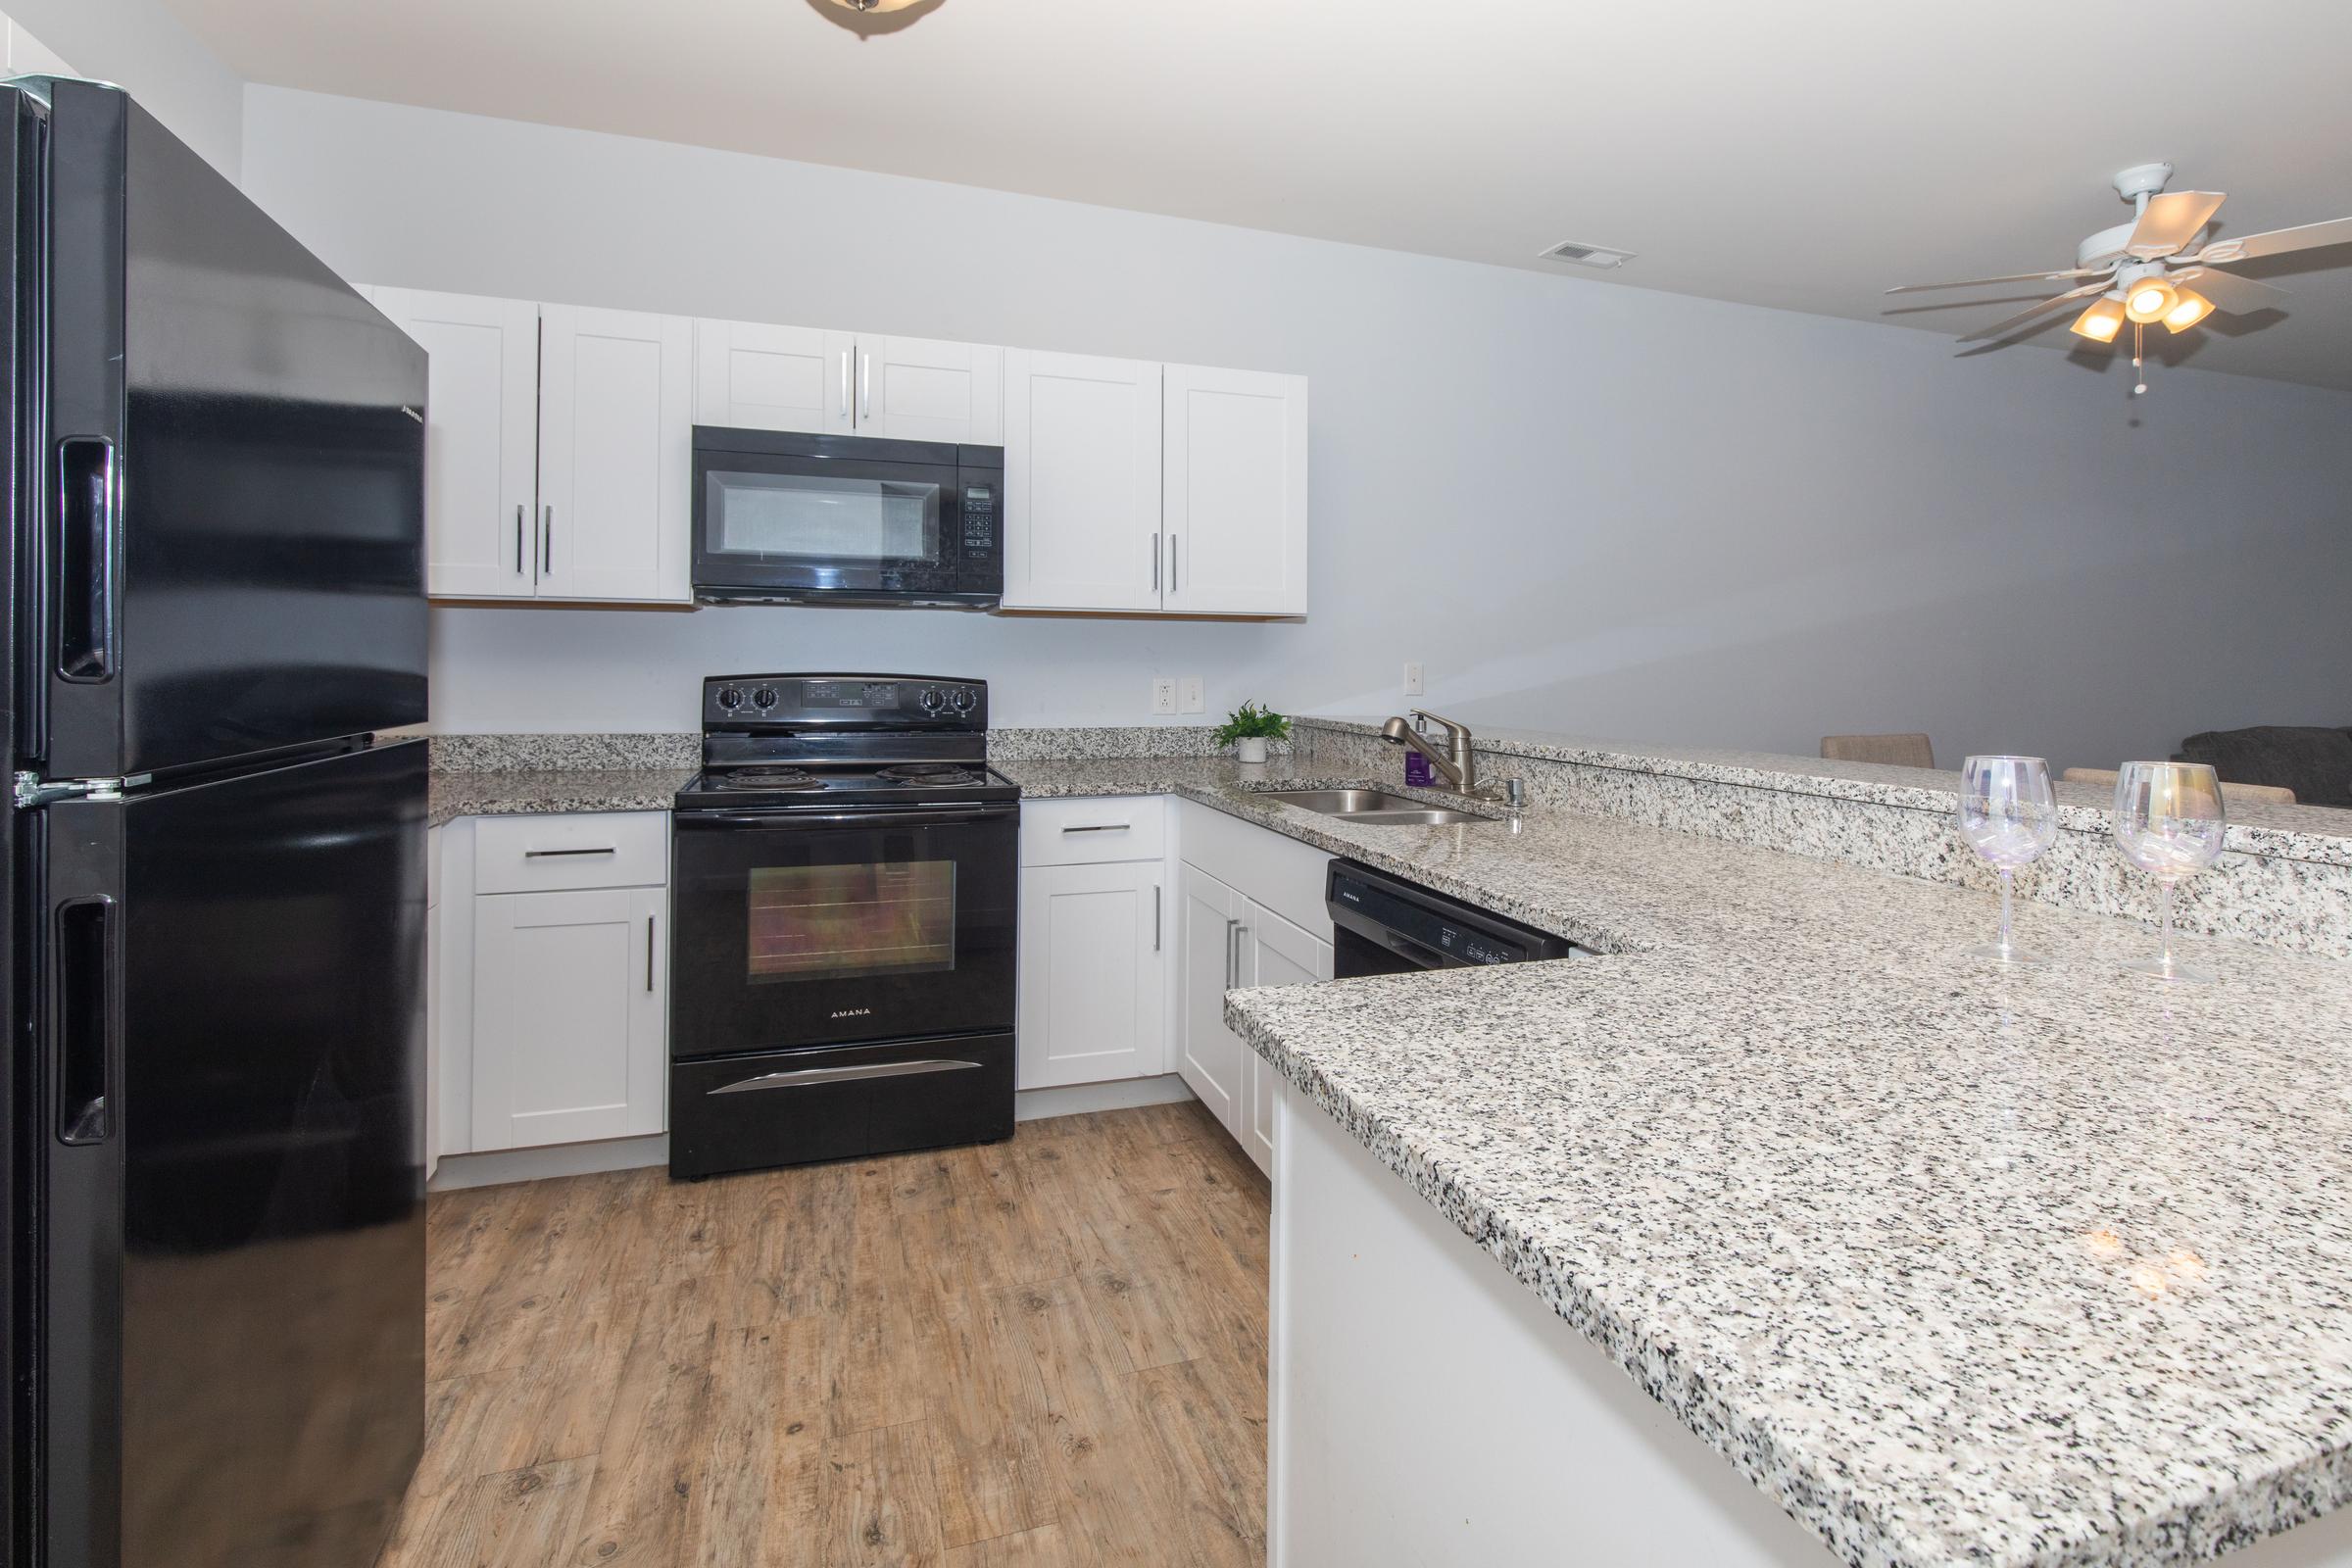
{"points": [[729, 699], [765, 696], [963, 699], [933, 700]]}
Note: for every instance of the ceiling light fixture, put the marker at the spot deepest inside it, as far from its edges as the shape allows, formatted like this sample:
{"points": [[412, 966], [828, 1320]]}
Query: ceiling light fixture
{"points": [[2150, 299], [2102, 320], [2193, 309], [876, 7]]}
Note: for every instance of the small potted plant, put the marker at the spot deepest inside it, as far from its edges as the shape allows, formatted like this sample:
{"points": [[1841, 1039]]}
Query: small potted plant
{"points": [[1248, 729]]}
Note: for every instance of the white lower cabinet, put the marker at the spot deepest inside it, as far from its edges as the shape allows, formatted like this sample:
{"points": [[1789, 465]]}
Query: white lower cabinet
{"points": [[1251, 915], [1092, 986], [1207, 1053], [550, 980], [569, 1004]]}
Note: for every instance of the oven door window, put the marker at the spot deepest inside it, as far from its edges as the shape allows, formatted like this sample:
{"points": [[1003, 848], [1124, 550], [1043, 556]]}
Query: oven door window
{"points": [[822, 520], [839, 922]]}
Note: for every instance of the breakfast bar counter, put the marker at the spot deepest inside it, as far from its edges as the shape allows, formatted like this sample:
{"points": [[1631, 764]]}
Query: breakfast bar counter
{"points": [[1955, 1265]]}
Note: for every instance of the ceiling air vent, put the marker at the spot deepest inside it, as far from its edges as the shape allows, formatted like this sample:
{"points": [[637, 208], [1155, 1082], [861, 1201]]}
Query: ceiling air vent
{"points": [[1599, 255]]}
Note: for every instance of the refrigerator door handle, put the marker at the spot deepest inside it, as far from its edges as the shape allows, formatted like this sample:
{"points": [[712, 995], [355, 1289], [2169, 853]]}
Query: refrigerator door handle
{"points": [[83, 1030], [88, 495]]}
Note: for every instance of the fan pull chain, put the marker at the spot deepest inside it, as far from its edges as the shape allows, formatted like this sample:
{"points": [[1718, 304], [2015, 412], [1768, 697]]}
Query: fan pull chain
{"points": [[2137, 369]]}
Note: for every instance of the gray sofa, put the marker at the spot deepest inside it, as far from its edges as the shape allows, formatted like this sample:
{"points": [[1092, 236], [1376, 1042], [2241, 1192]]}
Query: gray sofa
{"points": [[2314, 762]]}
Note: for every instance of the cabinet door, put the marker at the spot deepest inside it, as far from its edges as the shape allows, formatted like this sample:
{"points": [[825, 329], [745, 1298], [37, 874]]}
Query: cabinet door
{"points": [[1236, 502], [748, 375], [1081, 482], [568, 1000], [1093, 975], [1274, 953], [481, 439], [916, 389], [1208, 1054], [615, 454]]}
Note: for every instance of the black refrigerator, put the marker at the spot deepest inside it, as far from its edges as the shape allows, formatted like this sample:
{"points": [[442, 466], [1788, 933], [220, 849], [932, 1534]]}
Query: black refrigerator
{"points": [[217, 870]]}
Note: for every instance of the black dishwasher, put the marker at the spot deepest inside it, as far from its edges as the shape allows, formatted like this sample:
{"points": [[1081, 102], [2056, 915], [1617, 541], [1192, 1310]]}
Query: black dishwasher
{"points": [[1386, 926]]}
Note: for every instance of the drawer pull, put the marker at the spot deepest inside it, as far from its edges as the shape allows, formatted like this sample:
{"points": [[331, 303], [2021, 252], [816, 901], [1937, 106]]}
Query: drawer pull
{"points": [[543, 854], [806, 1076], [1098, 827]]}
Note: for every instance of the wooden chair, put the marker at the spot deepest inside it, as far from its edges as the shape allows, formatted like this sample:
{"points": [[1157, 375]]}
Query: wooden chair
{"points": [[1902, 751], [2273, 794]]}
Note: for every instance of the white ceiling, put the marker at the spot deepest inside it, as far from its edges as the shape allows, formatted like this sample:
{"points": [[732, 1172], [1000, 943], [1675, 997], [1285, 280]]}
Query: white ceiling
{"points": [[1803, 153]]}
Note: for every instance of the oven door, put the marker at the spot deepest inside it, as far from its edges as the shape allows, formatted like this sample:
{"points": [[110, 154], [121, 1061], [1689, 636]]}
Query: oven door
{"points": [[793, 525], [811, 927]]}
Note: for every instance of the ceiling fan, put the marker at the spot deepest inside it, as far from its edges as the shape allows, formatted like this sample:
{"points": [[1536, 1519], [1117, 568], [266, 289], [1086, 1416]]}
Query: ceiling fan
{"points": [[2143, 272]]}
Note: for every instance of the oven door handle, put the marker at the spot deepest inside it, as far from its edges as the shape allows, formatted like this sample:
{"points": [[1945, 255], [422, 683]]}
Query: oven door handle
{"points": [[945, 816]]}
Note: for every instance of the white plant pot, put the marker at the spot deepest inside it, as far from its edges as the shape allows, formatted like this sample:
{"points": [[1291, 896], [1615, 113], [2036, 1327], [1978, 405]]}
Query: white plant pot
{"points": [[1250, 749]]}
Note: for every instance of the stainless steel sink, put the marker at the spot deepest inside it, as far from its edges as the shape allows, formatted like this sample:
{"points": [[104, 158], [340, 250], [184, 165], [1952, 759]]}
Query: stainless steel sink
{"points": [[1373, 806]]}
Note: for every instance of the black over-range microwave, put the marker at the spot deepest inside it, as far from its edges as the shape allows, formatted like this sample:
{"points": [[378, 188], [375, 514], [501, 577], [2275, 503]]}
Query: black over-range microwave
{"points": [[845, 520]]}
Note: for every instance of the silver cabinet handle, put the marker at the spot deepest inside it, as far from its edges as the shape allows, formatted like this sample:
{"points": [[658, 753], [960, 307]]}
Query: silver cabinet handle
{"points": [[1154, 560], [1171, 563], [1238, 931], [808, 1076], [1098, 827], [1156, 919], [845, 383], [547, 546], [542, 854], [519, 508], [1230, 927], [649, 953], [866, 387]]}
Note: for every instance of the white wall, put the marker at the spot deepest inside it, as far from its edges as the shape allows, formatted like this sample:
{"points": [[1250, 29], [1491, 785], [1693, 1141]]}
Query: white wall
{"points": [[1582, 506], [141, 47]]}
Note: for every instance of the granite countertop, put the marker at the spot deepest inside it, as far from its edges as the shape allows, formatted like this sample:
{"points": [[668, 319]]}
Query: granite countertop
{"points": [[521, 792], [1959, 1266]]}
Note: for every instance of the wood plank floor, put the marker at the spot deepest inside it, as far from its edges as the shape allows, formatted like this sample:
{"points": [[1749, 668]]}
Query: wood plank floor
{"points": [[1040, 1352]]}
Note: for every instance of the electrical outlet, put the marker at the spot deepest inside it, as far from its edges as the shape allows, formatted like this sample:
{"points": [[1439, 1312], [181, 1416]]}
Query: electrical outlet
{"points": [[1191, 696], [1413, 680], [1163, 693]]}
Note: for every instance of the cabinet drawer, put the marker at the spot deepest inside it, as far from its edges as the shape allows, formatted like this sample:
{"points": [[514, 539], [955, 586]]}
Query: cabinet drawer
{"points": [[1274, 870], [1093, 830], [571, 850]]}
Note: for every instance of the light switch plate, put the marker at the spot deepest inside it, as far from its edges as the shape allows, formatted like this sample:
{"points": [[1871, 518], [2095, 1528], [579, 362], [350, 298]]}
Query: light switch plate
{"points": [[1413, 680], [1191, 696], [1164, 695]]}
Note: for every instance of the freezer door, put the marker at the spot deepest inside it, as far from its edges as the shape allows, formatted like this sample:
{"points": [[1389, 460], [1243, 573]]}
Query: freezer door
{"points": [[232, 533], [231, 1087]]}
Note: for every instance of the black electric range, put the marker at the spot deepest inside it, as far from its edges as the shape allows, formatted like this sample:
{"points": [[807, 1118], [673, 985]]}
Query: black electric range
{"points": [[845, 900]]}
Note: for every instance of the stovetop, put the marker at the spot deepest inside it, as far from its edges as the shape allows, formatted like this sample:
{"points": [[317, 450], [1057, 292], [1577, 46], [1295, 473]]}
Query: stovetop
{"points": [[832, 784]]}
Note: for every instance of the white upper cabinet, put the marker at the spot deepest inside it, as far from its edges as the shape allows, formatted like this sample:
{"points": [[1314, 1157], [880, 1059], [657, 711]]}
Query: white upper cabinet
{"points": [[916, 389], [1235, 506], [752, 376], [481, 440], [1082, 439], [748, 375], [615, 454]]}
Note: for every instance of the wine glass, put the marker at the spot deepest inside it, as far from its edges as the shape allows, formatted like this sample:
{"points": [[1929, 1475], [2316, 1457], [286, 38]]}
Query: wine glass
{"points": [[2008, 816], [2167, 822]]}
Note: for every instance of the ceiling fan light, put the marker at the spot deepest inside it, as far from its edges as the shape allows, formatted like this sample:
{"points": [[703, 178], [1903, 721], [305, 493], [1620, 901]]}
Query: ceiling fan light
{"points": [[2192, 308], [2150, 299], [2102, 320]]}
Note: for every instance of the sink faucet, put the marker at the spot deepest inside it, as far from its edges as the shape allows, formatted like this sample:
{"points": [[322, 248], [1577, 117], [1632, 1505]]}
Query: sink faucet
{"points": [[1457, 765]]}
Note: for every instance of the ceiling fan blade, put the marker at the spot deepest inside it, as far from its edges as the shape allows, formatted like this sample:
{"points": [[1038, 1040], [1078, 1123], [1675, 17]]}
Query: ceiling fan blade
{"points": [[2171, 220], [1998, 328], [2277, 241], [2013, 277], [2228, 291]]}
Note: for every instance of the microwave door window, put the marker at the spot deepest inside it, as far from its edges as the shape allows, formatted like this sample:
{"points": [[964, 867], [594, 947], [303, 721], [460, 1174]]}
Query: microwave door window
{"points": [[824, 520]]}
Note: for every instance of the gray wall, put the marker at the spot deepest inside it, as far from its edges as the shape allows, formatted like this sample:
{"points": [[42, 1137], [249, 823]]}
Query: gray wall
{"points": [[140, 46], [1582, 506]]}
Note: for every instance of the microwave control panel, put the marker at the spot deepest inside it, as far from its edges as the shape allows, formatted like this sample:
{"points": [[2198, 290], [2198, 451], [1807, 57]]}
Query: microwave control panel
{"points": [[979, 520]]}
